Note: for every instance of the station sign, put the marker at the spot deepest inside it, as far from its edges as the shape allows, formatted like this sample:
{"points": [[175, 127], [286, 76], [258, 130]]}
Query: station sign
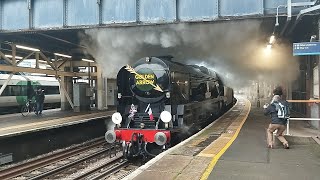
{"points": [[306, 48]]}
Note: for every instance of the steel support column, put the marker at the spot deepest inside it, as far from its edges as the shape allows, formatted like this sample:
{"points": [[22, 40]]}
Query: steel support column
{"points": [[5, 84], [5, 58], [106, 90], [37, 60], [14, 52], [101, 93], [64, 93]]}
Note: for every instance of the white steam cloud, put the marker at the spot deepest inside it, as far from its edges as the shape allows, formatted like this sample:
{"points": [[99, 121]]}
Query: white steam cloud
{"points": [[233, 49]]}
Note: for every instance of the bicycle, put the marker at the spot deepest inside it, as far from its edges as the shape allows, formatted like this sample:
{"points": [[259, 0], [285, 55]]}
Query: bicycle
{"points": [[28, 107]]}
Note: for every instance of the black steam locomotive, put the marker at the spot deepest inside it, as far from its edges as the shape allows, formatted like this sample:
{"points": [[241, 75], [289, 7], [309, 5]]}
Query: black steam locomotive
{"points": [[160, 100]]}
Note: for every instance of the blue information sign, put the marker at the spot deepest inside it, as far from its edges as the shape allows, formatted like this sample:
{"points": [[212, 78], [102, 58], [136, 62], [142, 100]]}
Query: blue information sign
{"points": [[306, 48]]}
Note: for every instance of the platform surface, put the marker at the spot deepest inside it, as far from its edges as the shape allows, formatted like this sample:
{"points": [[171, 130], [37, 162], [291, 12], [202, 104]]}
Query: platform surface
{"points": [[15, 124], [235, 147], [248, 157]]}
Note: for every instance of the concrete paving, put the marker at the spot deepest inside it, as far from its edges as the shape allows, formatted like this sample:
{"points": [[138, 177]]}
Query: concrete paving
{"points": [[248, 157], [15, 124]]}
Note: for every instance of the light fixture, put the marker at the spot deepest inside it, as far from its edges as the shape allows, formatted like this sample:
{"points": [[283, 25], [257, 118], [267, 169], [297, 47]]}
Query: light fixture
{"points": [[10, 56], [88, 60], [269, 46], [272, 39], [313, 38], [62, 55], [165, 116], [38, 74], [27, 48], [116, 118], [42, 61], [267, 50]]}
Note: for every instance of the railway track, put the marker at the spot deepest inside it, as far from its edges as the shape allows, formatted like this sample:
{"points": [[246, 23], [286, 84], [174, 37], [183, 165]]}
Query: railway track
{"points": [[102, 169], [57, 162]]}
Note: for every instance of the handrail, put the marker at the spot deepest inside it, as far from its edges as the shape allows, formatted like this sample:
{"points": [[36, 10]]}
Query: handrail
{"points": [[299, 119], [302, 119], [305, 119], [306, 101]]}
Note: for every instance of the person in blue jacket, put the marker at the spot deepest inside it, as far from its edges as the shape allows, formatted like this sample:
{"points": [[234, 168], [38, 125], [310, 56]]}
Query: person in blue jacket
{"points": [[277, 123]]}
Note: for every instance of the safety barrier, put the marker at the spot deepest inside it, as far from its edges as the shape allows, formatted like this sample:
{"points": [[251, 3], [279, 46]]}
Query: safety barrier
{"points": [[299, 119], [311, 100]]}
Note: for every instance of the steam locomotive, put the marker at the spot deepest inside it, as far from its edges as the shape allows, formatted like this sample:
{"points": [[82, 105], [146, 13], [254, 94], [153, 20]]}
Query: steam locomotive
{"points": [[160, 100]]}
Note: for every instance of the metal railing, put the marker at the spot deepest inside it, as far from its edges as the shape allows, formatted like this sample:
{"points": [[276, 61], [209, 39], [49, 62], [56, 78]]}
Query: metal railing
{"points": [[299, 119]]}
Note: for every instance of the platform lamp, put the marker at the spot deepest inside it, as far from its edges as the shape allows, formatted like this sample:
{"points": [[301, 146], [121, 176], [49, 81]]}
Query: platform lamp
{"points": [[258, 91], [313, 38], [27, 48], [272, 39], [62, 55]]}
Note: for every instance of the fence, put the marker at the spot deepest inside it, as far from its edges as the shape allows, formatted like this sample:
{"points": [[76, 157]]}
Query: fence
{"points": [[301, 119]]}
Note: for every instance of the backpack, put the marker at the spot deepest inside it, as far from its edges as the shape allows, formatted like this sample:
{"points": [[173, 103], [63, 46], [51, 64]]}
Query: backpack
{"points": [[283, 111]]}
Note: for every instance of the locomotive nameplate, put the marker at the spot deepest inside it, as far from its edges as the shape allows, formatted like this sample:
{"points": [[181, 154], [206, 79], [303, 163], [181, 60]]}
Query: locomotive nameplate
{"points": [[145, 79]]}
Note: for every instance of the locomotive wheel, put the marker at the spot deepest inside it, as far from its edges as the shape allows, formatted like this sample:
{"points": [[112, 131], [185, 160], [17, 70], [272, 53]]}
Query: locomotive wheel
{"points": [[153, 149], [125, 151], [128, 153]]}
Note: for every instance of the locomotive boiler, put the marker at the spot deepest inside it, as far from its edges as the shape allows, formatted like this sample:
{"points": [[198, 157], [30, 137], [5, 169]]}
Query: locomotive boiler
{"points": [[160, 100]]}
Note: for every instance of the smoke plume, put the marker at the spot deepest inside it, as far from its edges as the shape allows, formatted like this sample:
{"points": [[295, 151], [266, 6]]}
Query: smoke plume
{"points": [[233, 49]]}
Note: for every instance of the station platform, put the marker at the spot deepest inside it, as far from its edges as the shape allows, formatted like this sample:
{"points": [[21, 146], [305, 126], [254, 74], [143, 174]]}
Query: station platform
{"points": [[16, 124], [22, 137], [234, 147]]}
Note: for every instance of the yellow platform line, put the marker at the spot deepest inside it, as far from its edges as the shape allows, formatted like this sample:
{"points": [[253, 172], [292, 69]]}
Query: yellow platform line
{"points": [[215, 159]]}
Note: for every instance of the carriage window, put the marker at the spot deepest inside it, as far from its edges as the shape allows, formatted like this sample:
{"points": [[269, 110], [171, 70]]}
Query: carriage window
{"points": [[15, 90], [12, 90], [6, 92], [23, 90], [51, 89]]}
